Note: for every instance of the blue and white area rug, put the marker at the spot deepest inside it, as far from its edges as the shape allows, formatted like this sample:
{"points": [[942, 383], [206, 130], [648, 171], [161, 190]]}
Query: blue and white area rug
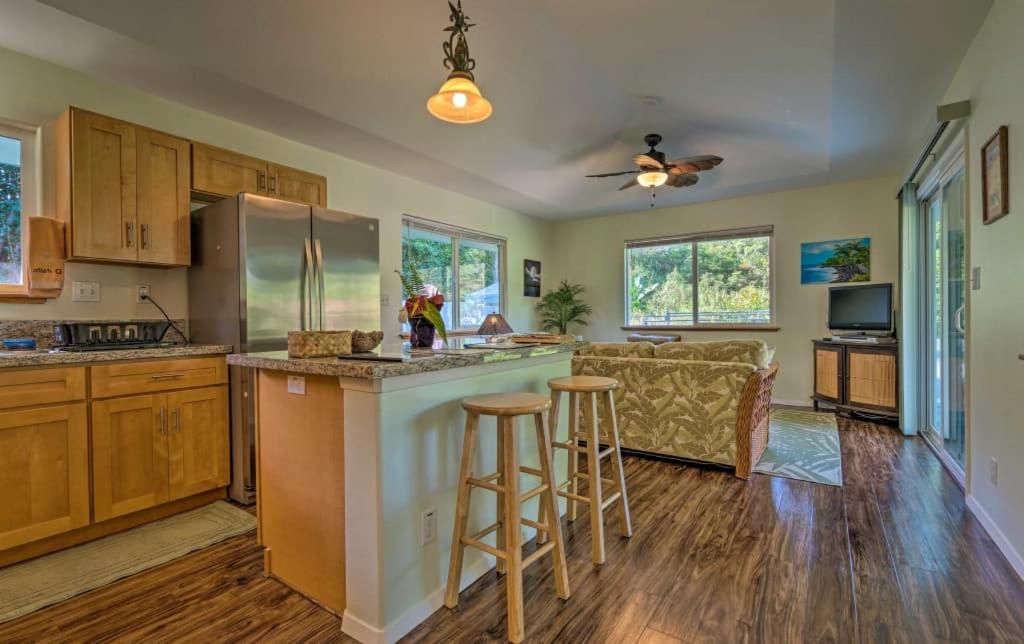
{"points": [[803, 445]]}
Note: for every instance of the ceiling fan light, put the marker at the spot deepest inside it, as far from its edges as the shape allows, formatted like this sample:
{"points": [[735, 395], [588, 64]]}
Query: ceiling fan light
{"points": [[459, 101], [652, 179]]}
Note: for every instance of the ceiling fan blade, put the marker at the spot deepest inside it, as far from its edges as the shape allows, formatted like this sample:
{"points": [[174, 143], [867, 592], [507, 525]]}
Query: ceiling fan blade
{"points": [[682, 180], [646, 161], [694, 164], [629, 184], [614, 174]]}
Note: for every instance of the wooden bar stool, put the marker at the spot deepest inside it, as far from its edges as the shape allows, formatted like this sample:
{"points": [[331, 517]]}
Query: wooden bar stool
{"points": [[585, 390], [508, 549]]}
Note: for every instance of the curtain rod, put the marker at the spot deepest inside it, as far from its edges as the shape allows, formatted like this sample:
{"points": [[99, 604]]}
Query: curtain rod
{"points": [[945, 114]]}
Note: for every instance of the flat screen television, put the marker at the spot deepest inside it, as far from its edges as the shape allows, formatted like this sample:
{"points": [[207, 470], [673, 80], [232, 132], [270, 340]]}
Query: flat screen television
{"points": [[864, 307]]}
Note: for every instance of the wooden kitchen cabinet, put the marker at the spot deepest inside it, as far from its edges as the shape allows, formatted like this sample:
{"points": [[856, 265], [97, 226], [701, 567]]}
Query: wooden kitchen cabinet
{"points": [[198, 439], [129, 455], [223, 173], [163, 198], [122, 190], [44, 473], [296, 185]]}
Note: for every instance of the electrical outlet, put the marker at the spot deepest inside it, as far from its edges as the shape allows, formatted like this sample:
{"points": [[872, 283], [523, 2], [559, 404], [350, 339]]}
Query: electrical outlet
{"points": [[85, 291], [975, 278], [993, 471], [297, 385], [428, 526], [141, 292]]}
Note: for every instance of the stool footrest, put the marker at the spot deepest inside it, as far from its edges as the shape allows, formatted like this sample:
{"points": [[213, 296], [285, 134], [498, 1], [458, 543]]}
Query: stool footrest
{"points": [[536, 526], [486, 531], [612, 498], [534, 492], [480, 545], [486, 484], [538, 553], [533, 471], [605, 452], [574, 447], [574, 497]]}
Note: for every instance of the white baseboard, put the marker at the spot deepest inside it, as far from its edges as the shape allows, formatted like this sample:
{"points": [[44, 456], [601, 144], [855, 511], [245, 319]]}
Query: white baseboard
{"points": [[410, 619], [1004, 545]]}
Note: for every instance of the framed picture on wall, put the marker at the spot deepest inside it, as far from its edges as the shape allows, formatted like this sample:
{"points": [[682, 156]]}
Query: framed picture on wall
{"points": [[836, 261], [995, 176], [531, 278]]}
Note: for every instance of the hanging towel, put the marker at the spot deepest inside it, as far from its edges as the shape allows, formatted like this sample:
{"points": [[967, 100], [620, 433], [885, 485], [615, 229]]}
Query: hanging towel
{"points": [[45, 256]]}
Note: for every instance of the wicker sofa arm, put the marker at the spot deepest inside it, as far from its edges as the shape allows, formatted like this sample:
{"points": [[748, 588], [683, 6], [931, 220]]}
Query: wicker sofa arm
{"points": [[752, 419]]}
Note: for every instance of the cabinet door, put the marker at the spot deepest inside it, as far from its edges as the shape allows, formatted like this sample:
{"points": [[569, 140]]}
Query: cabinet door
{"points": [[129, 454], [871, 378], [297, 185], [44, 473], [827, 372], [198, 440], [225, 173], [103, 171], [163, 198]]}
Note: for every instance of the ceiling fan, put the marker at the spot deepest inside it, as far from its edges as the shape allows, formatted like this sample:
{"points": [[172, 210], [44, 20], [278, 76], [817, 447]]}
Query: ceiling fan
{"points": [[655, 171]]}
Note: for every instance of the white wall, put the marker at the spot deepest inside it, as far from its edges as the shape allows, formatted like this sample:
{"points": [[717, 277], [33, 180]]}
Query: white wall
{"points": [[990, 76], [36, 92], [590, 252]]}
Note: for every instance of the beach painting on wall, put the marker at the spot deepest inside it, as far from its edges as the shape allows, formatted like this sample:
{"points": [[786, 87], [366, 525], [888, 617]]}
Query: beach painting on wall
{"points": [[833, 262]]}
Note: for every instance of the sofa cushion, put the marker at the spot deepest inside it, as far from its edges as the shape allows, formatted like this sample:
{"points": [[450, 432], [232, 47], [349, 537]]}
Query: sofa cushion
{"points": [[619, 350], [756, 352]]}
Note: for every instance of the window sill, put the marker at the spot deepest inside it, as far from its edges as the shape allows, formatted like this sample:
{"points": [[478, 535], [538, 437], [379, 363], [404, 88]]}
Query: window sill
{"points": [[21, 298], [769, 328]]}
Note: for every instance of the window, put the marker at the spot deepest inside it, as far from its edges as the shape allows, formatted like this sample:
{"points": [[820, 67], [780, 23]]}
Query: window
{"points": [[706, 279], [466, 266], [17, 201]]}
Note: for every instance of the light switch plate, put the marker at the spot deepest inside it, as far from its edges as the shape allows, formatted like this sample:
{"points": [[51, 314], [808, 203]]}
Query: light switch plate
{"points": [[297, 385], [85, 291]]}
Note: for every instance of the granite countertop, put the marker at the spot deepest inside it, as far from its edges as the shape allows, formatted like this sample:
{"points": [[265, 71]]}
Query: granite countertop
{"points": [[42, 357], [412, 362]]}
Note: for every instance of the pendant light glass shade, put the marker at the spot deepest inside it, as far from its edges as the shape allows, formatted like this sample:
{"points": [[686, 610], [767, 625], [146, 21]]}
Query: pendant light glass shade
{"points": [[652, 179], [459, 101]]}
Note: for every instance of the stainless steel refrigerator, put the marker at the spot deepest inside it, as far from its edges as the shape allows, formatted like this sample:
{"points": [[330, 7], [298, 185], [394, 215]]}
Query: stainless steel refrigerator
{"points": [[262, 267]]}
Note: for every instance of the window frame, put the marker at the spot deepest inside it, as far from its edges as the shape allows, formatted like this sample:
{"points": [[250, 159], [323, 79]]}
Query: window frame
{"points": [[457, 234], [29, 137], [693, 239]]}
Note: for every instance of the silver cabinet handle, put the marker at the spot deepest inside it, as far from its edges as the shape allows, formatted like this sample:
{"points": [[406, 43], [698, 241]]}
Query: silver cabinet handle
{"points": [[262, 179], [307, 313], [273, 184], [163, 421], [129, 233], [176, 415], [320, 275], [167, 376], [144, 235]]}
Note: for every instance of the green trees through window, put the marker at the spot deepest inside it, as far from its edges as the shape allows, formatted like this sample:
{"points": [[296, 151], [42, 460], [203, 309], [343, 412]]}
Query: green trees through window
{"points": [[731, 278], [10, 211]]}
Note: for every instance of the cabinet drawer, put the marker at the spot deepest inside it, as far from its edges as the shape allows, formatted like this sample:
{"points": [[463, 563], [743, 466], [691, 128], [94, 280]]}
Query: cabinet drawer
{"points": [[127, 378], [28, 387]]}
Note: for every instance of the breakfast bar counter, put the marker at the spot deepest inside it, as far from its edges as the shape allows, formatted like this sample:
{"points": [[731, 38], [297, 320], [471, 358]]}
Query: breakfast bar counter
{"points": [[357, 472]]}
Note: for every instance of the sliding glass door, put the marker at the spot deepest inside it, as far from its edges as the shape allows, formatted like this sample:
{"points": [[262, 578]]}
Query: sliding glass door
{"points": [[945, 305]]}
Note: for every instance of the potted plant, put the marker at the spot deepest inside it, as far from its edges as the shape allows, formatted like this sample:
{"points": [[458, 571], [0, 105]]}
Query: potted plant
{"points": [[422, 309], [563, 306]]}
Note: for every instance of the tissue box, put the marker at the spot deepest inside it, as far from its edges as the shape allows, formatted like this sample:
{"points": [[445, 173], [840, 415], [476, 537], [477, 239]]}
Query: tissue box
{"points": [[319, 344]]}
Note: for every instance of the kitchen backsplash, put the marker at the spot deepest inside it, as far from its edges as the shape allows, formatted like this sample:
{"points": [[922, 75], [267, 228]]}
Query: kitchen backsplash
{"points": [[42, 330]]}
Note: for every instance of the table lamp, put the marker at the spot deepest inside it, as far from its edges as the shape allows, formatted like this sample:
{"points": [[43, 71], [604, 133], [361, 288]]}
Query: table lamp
{"points": [[494, 325]]}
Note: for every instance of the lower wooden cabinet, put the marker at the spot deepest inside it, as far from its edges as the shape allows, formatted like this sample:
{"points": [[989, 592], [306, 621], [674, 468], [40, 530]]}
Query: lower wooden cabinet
{"points": [[44, 473], [155, 448], [861, 377]]}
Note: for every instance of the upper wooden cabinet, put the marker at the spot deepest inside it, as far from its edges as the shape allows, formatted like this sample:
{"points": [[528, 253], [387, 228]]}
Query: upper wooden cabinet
{"points": [[296, 185], [223, 173], [123, 190]]}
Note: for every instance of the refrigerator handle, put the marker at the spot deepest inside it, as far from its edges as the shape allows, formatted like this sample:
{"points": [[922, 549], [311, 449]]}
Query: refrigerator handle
{"points": [[307, 307], [320, 275]]}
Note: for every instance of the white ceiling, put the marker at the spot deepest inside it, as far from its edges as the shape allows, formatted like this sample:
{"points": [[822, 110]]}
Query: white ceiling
{"points": [[792, 93]]}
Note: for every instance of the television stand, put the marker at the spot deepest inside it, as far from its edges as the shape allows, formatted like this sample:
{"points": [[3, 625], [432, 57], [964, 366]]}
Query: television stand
{"points": [[857, 376]]}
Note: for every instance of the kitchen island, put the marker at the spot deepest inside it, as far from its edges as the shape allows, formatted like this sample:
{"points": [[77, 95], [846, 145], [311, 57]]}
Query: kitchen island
{"points": [[357, 465]]}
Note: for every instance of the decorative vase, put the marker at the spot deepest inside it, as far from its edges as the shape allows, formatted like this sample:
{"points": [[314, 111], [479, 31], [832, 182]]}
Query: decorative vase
{"points": [[421, 335]]}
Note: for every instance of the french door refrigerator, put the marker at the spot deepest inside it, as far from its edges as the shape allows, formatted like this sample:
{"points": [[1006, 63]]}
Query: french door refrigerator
{"points": [[262, 267]]}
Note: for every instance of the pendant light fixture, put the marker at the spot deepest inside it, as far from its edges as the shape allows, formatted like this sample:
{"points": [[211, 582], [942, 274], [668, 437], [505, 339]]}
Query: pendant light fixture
{"points": [[652, 178], [459, 100]]}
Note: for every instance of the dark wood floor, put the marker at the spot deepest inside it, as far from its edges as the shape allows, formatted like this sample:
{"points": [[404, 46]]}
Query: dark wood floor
{"points": [[893, 556]]}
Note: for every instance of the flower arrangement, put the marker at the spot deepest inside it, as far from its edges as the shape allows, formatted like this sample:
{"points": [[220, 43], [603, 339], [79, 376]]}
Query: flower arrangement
{"points": [[422, 309]]}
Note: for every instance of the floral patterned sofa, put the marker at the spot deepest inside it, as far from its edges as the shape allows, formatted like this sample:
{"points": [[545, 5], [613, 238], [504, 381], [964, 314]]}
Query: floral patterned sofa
{"points": [[704, 401]]}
